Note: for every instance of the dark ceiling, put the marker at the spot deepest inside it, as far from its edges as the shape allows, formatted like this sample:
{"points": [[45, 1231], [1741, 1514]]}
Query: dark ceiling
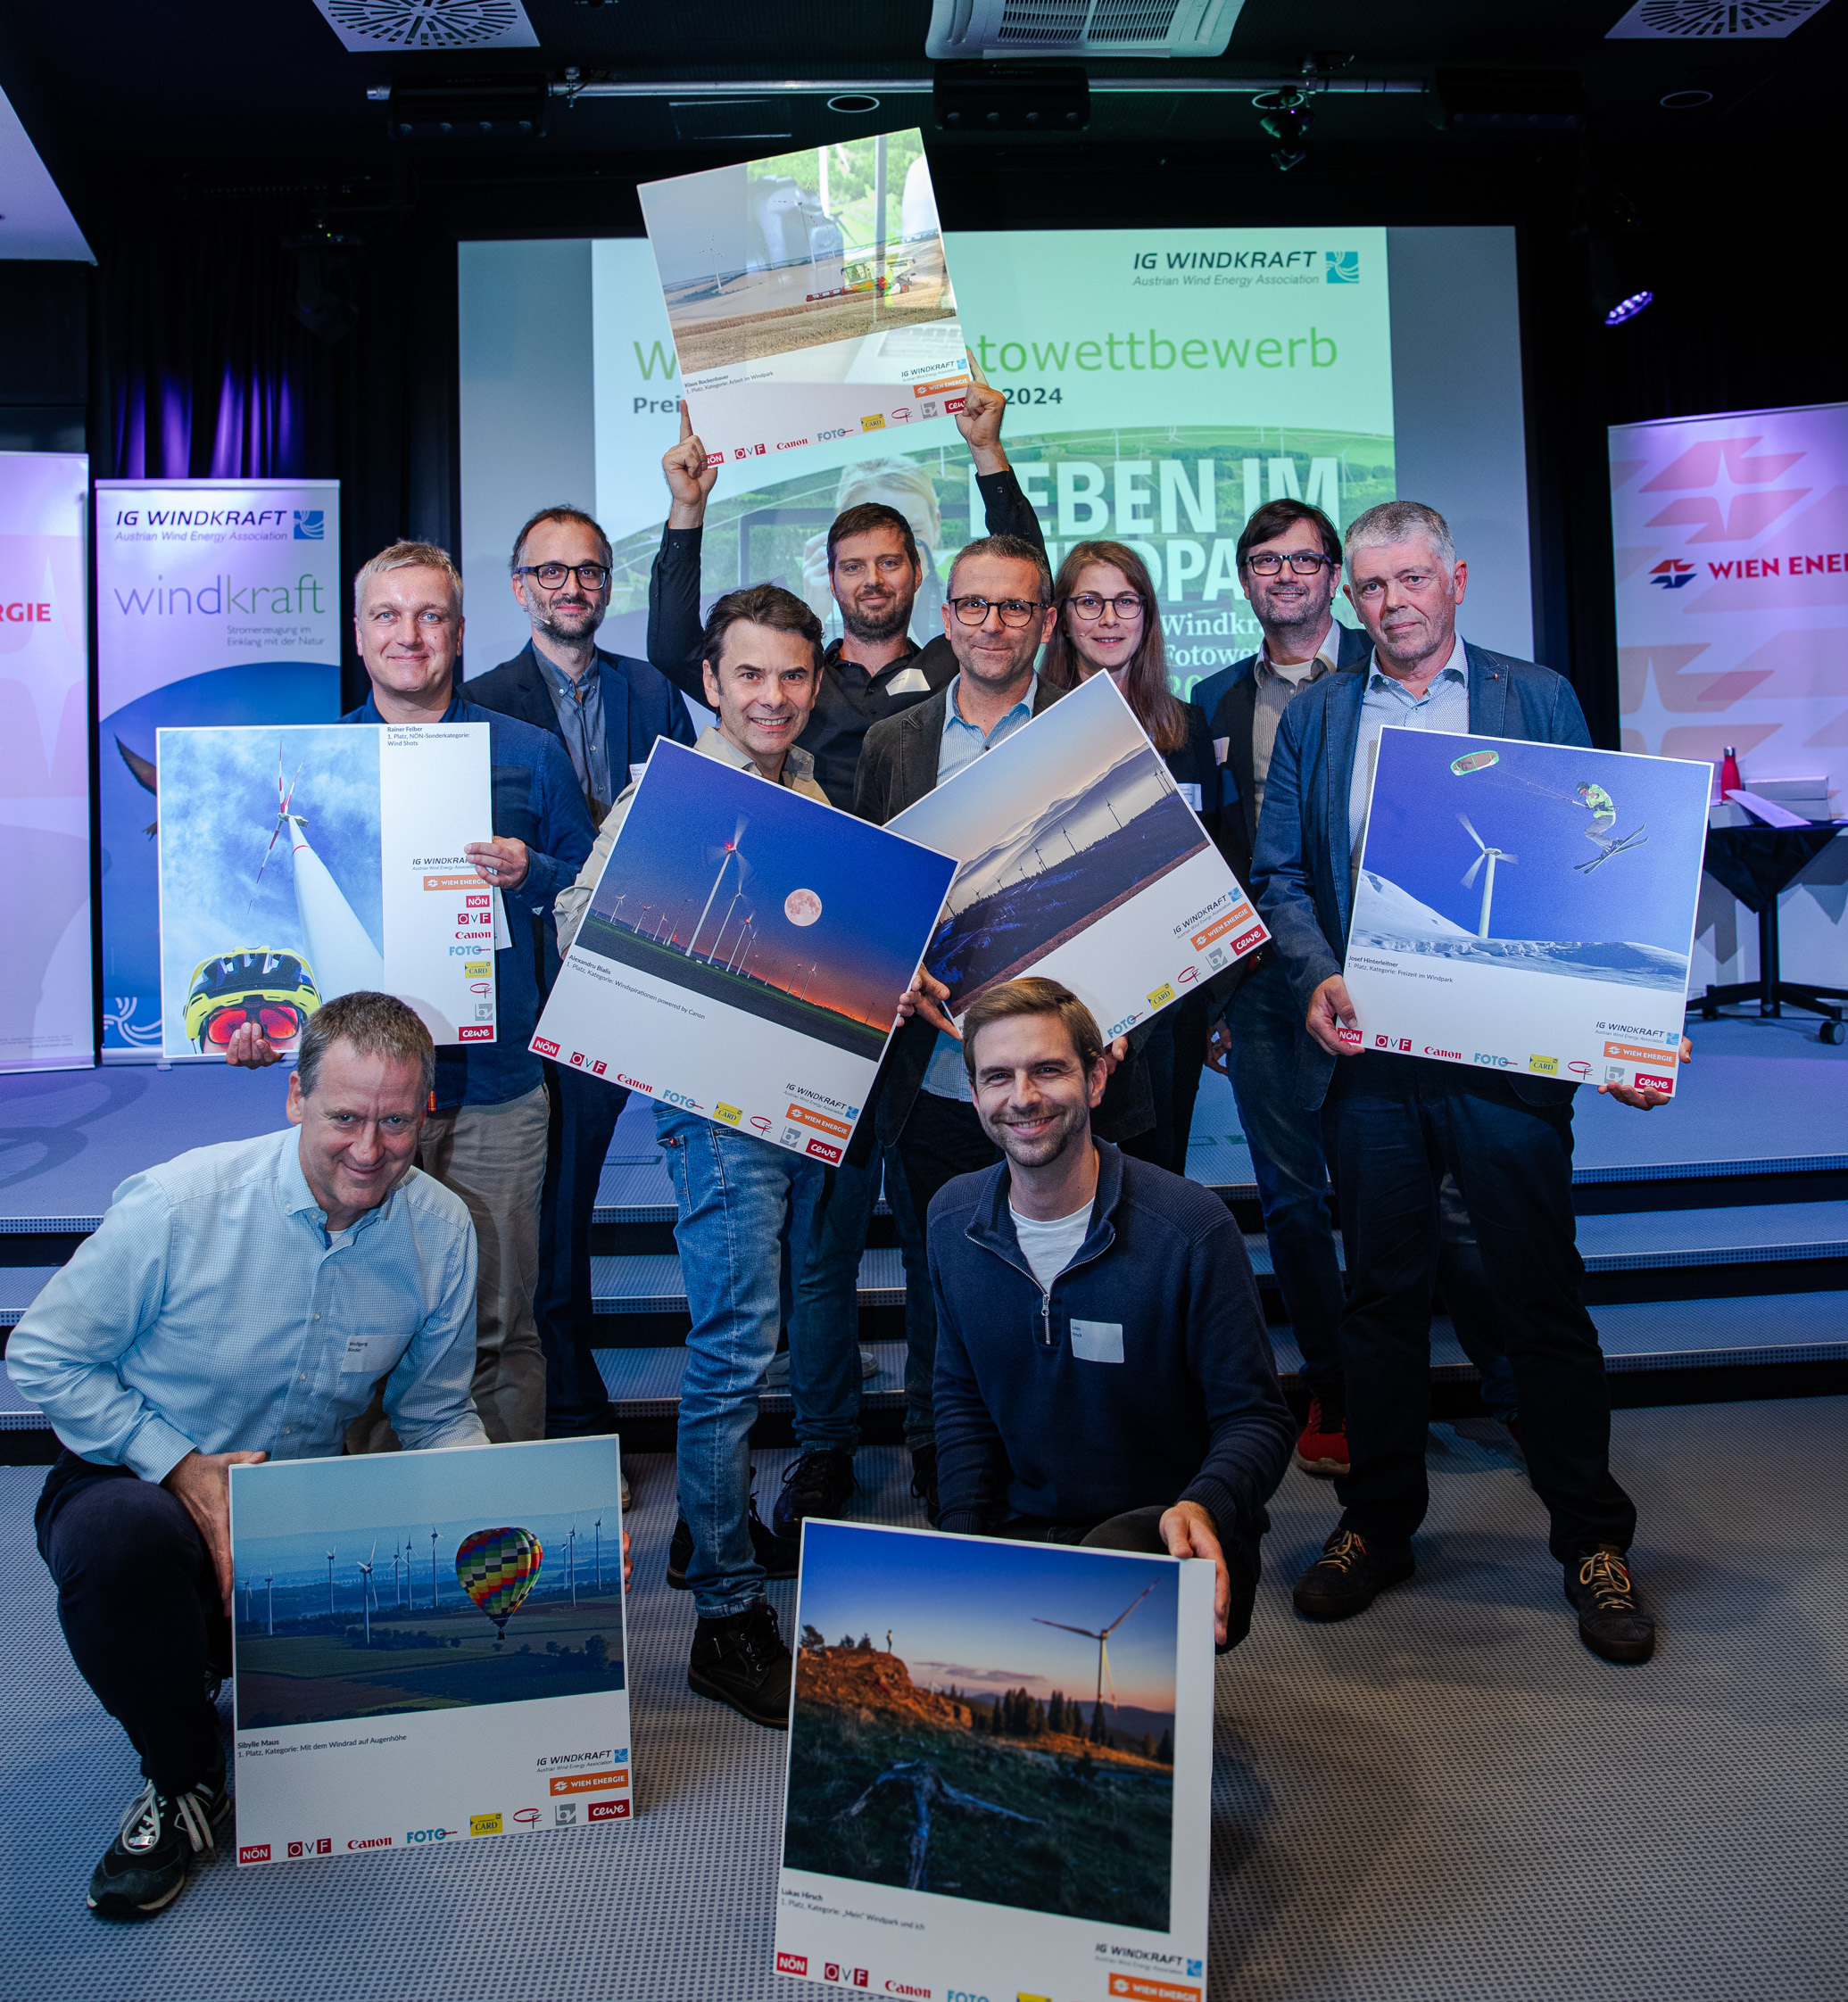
{"points": [[133, 98]]}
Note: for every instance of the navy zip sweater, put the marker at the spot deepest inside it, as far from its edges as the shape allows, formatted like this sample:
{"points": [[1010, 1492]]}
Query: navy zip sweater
{"points": [[1193, 1412]]}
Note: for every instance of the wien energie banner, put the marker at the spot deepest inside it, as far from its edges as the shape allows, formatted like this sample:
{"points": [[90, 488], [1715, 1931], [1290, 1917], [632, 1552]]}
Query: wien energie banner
{"points": [[218, 602], [1164, 384], [46, 1016]]}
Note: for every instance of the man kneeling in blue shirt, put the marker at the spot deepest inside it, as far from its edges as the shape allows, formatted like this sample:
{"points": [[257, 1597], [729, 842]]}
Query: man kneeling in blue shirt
{"points": [[237, 1304], [1103, 1374]]}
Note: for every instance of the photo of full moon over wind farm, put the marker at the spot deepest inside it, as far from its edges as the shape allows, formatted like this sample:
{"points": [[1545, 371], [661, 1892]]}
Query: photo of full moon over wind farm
{"points": [[750, 894]]}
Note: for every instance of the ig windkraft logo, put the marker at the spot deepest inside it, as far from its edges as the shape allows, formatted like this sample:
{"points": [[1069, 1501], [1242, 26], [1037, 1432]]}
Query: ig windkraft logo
{"points": [[1672, 575], [311, 525], [1343, 267]]}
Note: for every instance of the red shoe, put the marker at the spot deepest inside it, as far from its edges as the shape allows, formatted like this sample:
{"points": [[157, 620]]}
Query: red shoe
{"points": [[1323, 1448]]}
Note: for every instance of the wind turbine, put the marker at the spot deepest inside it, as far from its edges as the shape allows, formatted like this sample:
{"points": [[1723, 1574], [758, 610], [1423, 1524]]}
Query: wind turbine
{"points": [[397, 1588], [269, 1588], [330, 1585], [283, 797], [433, 1570], [365, 1591], [1490, 855], [571, 1561], [340, 953], [597, 1548], [1102, 1637], [725, 856]]}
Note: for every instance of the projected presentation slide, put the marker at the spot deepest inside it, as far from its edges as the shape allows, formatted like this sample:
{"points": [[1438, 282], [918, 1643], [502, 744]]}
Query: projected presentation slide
{"points": [[809, 295], [1163, 383]]}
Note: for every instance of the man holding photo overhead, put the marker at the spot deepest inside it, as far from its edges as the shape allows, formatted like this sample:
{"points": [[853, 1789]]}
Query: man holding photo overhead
{"points": [[1394, 1124], [736, 1194]]}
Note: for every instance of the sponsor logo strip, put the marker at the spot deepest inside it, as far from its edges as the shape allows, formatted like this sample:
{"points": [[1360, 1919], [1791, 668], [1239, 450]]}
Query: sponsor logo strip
{"points": [[1139, 1988], [1240, 913], [470, 881], [589, 1782], [840, 1128]]}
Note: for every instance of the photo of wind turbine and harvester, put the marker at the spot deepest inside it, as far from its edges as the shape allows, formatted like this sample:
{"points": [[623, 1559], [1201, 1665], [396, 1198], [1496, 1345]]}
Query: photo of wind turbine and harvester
{"points": [[750, 895], [991, 1721], [435, 1616]]}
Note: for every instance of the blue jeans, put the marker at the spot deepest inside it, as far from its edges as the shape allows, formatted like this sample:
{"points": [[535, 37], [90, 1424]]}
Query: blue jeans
{"points": [[1292, 1173], [824, 1327], [735, 1193]]}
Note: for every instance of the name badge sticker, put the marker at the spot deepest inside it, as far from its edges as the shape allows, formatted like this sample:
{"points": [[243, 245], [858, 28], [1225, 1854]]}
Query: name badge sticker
{"points": [[1098, 1341]]}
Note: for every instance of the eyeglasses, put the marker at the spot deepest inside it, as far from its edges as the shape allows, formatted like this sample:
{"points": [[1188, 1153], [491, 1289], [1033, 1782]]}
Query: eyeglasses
{"points": [[1088, 605], [591, 576], [1013, 611], [1303, 562], [280, 1020]]}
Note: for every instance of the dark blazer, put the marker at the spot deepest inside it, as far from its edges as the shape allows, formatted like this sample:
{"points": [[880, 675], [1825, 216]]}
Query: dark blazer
{"points": [[1302, 864], [1229, 698], [898, 767], [639, 705]]}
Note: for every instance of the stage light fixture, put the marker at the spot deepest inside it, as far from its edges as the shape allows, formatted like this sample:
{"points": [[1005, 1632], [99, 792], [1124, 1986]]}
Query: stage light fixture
{"points": [[1010, 97], [1628, 309], [1287, 118]]}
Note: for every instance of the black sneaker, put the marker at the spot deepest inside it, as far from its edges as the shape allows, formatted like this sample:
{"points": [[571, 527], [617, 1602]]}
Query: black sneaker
{"points": [[818, 1484], [923, 1480], [1611, 1621], [144, 1869], [778, 1555], [1347, 1577], [741, 1661]]}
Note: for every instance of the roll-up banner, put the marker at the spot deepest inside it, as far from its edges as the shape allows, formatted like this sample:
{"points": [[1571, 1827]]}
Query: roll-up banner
{"points": [[218, 602], [47, 1020]]}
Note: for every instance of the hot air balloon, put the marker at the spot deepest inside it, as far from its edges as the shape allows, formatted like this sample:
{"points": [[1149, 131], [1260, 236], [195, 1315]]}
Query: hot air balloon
{"points": [[497, 1567]]}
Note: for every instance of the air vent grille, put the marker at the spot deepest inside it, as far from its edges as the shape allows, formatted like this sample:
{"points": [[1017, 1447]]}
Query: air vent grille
{"points": [[987, 29], [1043, 23], [1703, 20], [369, 25], [1132, 21]]}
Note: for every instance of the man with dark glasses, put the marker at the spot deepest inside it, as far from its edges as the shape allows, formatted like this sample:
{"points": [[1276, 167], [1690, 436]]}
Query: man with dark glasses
{"points": [[606, 709]]}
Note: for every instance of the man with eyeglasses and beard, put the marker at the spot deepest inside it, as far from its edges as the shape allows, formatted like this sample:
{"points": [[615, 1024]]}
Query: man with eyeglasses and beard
{"points": [[999, 612], [874, 673], [606, 709]]}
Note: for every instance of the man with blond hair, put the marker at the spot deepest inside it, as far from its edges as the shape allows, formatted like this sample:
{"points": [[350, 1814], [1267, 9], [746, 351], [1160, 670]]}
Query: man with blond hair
{"points": [[486, 1134]]}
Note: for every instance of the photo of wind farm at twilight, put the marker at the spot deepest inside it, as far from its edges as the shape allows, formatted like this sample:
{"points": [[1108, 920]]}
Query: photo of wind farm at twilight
{"points": [[359, 1617], [750, 895], [1058, 827], [990, 1721]]}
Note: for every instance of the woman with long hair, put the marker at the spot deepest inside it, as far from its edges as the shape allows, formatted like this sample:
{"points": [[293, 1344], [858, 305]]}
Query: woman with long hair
{"points": [[1110, 624]]}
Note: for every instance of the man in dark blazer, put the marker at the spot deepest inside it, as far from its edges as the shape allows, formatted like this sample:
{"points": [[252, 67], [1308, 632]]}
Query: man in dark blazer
{"points": [[1393, 1124], [606, 710], [921, 1102], [1290, 565]]}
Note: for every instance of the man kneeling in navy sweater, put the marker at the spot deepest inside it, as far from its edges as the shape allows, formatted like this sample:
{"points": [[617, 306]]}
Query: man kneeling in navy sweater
{"points": [[1103, 1373]]}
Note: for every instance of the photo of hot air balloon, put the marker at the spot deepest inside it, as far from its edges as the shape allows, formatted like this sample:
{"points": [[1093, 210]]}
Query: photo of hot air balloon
{"points": [[391, 1588]]}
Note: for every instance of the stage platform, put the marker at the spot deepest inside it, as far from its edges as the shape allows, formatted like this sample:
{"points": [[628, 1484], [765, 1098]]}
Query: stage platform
{"points": [[1567, 1830], [1714, 1232]]}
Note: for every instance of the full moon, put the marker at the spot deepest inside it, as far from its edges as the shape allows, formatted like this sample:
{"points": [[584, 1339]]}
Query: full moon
{"points": [[801, 906]]}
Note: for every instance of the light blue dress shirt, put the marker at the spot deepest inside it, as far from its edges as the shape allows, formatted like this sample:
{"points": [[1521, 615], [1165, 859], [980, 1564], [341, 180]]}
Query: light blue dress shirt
{"points": [[1443, 705], [210, 1313], [946, 1075]]}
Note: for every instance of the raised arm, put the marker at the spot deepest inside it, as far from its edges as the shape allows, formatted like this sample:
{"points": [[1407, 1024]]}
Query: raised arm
{"points": [[1005, 509], [674, 625]]}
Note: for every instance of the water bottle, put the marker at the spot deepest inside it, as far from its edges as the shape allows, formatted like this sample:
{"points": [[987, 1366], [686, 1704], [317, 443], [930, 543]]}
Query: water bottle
{"points": [[1729, 779]]}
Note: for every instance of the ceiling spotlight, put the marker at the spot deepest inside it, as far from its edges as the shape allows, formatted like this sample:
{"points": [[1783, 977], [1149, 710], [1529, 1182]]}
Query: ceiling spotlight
{"points": [[1687, 100], [853, 104], [1287, 116], [1628, 309]]}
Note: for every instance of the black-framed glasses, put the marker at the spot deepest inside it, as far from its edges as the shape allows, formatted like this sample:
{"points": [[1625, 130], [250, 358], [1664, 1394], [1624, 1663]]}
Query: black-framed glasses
{"points": [[1303, 563], [1013, 611], [1089, 605], [590, 576]]}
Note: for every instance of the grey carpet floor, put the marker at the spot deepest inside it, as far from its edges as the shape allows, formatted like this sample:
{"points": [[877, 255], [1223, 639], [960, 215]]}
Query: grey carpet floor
{"points": [[1447, 1799]]}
